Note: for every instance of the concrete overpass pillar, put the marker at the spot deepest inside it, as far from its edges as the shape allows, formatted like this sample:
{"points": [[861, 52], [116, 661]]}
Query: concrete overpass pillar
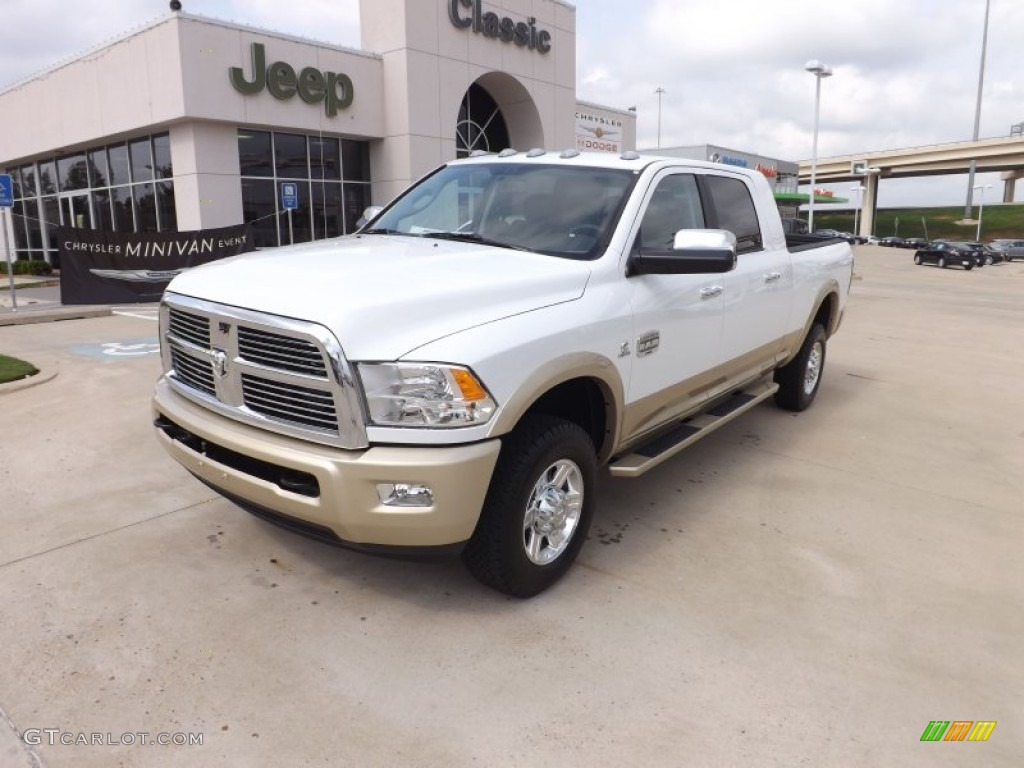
{"points": [[1010, 184], [869, 205]]}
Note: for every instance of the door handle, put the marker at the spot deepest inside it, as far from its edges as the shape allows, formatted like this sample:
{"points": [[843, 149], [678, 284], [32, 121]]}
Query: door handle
{"points": [[771, 277], [711, 291]]}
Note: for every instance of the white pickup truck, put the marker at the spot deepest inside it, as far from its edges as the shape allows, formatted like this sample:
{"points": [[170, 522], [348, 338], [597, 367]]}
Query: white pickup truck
{"points": [[452, 377]]}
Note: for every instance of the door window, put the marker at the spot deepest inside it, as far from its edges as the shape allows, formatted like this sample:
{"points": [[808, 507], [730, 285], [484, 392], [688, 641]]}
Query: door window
{"points": [[675, 204]]}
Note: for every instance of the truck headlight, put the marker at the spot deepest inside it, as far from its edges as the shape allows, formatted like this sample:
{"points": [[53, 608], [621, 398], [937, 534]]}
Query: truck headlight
{"points": [[421, 395]]}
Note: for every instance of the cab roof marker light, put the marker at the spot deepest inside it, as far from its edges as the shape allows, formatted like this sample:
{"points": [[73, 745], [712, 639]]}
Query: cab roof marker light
{"points": [[478, 153], [507, 152], [629, 155], [536, 152], [566, 154]]}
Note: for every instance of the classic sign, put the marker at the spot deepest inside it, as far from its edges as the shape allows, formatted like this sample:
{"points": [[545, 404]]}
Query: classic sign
{"points": [[334, 89], [489, 24]]}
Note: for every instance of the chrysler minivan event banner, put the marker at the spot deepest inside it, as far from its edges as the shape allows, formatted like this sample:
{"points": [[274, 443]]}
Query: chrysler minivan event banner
{"points": [[132, 268]]}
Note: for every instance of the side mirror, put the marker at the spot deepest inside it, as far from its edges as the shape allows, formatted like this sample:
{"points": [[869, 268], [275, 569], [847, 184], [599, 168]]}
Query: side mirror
{"points": [[694, 252], [369, 215]]}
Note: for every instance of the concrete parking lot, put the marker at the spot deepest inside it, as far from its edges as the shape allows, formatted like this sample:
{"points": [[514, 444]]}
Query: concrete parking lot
{"points": [[807, 589]]}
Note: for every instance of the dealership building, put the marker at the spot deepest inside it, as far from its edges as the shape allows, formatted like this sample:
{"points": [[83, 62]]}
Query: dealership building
{"points": [[192, 123]]}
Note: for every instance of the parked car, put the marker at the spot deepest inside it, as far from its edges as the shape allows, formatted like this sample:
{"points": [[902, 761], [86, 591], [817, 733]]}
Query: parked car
{"points": [[915, 242], [987, 254], [945, 255], [872, 240], [1011, 249], [834, 233], [891, 242]]}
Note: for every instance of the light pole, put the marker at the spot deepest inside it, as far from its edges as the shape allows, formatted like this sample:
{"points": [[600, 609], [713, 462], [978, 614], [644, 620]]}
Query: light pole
{"points": [[819, 71], [856, 211], [977, 115], [659, 90], [981, 208]]}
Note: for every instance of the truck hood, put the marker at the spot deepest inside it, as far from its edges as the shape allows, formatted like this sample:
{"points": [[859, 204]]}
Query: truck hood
{"points": [[383, 296]]}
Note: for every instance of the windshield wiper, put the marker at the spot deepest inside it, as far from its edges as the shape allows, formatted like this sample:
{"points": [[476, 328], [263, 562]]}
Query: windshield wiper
{"points": [[473, 237], [382, 231]]}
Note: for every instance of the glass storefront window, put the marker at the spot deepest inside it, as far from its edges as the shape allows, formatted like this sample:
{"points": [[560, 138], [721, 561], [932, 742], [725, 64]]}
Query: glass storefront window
{"points": [[324, 160], [18, 222], [166, 211], [162, 156], [255, 156], [290, 156], [355, 160], [101, 210], [121, 205], [326, 207], [72, 173], [357, 198], [48, 178], [258, 206], [318, 163], [118, 164], [142, 160], [145, 207], [98, 174]]}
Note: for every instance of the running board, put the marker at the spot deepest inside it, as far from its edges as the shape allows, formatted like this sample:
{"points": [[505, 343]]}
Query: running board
{"points": [[650, 455]]}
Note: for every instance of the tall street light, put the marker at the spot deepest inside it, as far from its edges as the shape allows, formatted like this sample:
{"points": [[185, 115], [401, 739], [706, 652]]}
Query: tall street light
{"points": [[981, 209], [819, 71], [659, 90], [977, 114], [856, 211]]}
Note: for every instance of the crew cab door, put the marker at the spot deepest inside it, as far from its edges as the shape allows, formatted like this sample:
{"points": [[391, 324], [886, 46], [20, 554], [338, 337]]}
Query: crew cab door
{"points": [[677, 318], [759, 292]]}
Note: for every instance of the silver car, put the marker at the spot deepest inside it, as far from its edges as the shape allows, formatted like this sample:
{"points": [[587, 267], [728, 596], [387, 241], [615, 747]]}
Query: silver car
{"points": [[1012, 249]]}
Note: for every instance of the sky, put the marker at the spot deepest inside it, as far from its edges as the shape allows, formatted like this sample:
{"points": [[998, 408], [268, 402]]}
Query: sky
{"points": [[905, 71]]}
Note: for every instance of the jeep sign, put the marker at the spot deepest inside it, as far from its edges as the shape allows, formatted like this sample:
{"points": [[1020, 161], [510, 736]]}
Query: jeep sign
{"points": [[334, 89]]}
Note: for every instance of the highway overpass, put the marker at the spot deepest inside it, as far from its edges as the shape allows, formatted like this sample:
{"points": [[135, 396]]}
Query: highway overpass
{"points": [[1004, 154]]}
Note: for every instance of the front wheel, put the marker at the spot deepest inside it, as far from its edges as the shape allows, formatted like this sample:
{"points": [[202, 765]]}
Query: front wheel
{"points": [[917, 259], [799, 379], [538, 507], [942, 262]]}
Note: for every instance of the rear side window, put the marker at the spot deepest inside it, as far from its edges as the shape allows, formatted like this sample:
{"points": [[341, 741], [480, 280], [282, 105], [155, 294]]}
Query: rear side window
{"points": [[734, 211]]}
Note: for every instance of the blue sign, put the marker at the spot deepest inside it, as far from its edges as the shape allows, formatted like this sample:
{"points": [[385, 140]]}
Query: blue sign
{"points": [[289, 195], [6, 191]]}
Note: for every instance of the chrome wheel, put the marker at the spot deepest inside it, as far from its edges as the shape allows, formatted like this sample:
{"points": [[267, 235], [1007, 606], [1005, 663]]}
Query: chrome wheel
{"points": [[553, 512], [812, 372]]}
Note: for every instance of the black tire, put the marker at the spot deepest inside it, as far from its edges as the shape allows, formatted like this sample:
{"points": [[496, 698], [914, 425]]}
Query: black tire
{"points": [[969, 267], [796, 389], [917, 259], [988, 261], [498, 553], [942, 262]]}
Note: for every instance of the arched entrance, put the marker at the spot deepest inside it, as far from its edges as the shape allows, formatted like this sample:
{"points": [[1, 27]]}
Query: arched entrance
{"points": [[481, 124], [497, 112]]}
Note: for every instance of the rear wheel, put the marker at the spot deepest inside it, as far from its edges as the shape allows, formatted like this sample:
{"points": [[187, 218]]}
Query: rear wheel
{"points": [[988, 261], [799, 379], [942, 262], [538, 507]]}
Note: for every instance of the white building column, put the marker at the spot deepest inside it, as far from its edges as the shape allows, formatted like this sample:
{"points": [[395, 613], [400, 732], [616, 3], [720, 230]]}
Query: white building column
{"points": [[212, 196], [869, 203]]}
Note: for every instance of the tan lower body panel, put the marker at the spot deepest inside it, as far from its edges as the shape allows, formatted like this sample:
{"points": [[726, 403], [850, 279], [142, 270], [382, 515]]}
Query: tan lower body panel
{"points": [[348, 503]]}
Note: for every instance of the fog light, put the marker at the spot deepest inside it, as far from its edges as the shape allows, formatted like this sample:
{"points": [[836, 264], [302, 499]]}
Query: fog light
{"points": [[405, 495]]}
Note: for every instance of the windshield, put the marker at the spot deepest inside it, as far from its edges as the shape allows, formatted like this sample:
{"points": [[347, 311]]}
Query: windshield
{"points": [[556, 210]]}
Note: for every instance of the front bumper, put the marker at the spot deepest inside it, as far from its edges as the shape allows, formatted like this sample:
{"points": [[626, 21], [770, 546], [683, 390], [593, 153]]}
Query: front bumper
{"points": [[329, 487]]}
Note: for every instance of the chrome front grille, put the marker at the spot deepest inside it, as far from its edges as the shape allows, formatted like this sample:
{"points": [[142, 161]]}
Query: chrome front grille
{"points": [[283, 375], [277, 351], [193, 328], [194, 372], [290, 402]]}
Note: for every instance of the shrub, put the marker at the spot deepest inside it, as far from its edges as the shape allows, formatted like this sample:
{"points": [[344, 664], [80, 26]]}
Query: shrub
{"points": [[28, 267]]}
